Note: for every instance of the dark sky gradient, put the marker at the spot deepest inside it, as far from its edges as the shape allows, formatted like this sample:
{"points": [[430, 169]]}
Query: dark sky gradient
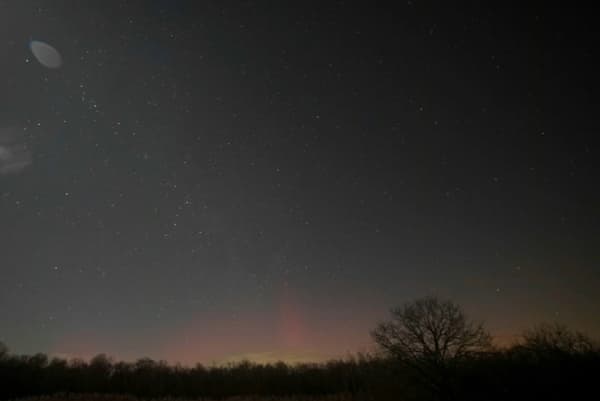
{"points": [[202, 181]]}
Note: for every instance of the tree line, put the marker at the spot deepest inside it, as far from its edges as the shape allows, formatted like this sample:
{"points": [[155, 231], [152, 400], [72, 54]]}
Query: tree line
{"points": [[428, 350]]}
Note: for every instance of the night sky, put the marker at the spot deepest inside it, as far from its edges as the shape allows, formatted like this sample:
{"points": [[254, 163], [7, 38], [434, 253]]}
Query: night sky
{"points": [[205, 181]]}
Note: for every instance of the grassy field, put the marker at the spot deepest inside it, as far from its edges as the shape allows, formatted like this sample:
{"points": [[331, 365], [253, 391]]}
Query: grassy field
{"points": [[102, 397]]}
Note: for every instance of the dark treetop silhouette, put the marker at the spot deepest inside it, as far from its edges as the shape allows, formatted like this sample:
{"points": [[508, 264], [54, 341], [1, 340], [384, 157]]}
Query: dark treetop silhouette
{"points": [[430, 335]]}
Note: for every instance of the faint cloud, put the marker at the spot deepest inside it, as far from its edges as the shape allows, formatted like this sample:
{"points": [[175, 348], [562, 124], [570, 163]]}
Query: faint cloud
{"points": [[47, 55], [14, 153]]}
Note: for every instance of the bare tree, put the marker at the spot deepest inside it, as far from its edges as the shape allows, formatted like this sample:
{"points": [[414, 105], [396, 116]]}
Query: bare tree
{"points": [[556, 338], [430, 330], [429, 335]]}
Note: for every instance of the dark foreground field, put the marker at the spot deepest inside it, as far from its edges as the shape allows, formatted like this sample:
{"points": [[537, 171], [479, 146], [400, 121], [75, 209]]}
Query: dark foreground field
{"points": [[99, 397], [506, 375]]}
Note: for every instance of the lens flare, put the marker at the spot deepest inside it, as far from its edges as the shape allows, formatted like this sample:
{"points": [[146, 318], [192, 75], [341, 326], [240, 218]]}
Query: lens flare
{"points": [[45, 54]]}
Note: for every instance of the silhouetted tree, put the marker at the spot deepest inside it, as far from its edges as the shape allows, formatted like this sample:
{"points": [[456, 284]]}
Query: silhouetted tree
{"points": [[3, 350], [551, 338], [99, 371], [430, 336]]}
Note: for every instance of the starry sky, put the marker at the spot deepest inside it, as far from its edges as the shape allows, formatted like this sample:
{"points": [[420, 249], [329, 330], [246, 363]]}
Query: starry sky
{"points": [[203, 181]]}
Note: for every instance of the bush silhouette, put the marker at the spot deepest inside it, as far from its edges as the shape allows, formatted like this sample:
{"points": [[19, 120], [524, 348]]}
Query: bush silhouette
{"points": [[556, 338]]}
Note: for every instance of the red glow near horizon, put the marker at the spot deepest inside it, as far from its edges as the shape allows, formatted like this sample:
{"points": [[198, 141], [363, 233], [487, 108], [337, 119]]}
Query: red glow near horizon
{"points": [[292, 321]]}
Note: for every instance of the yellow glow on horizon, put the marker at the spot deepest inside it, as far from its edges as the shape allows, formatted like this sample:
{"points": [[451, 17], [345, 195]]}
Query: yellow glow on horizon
{"points": [[270, 357]]}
